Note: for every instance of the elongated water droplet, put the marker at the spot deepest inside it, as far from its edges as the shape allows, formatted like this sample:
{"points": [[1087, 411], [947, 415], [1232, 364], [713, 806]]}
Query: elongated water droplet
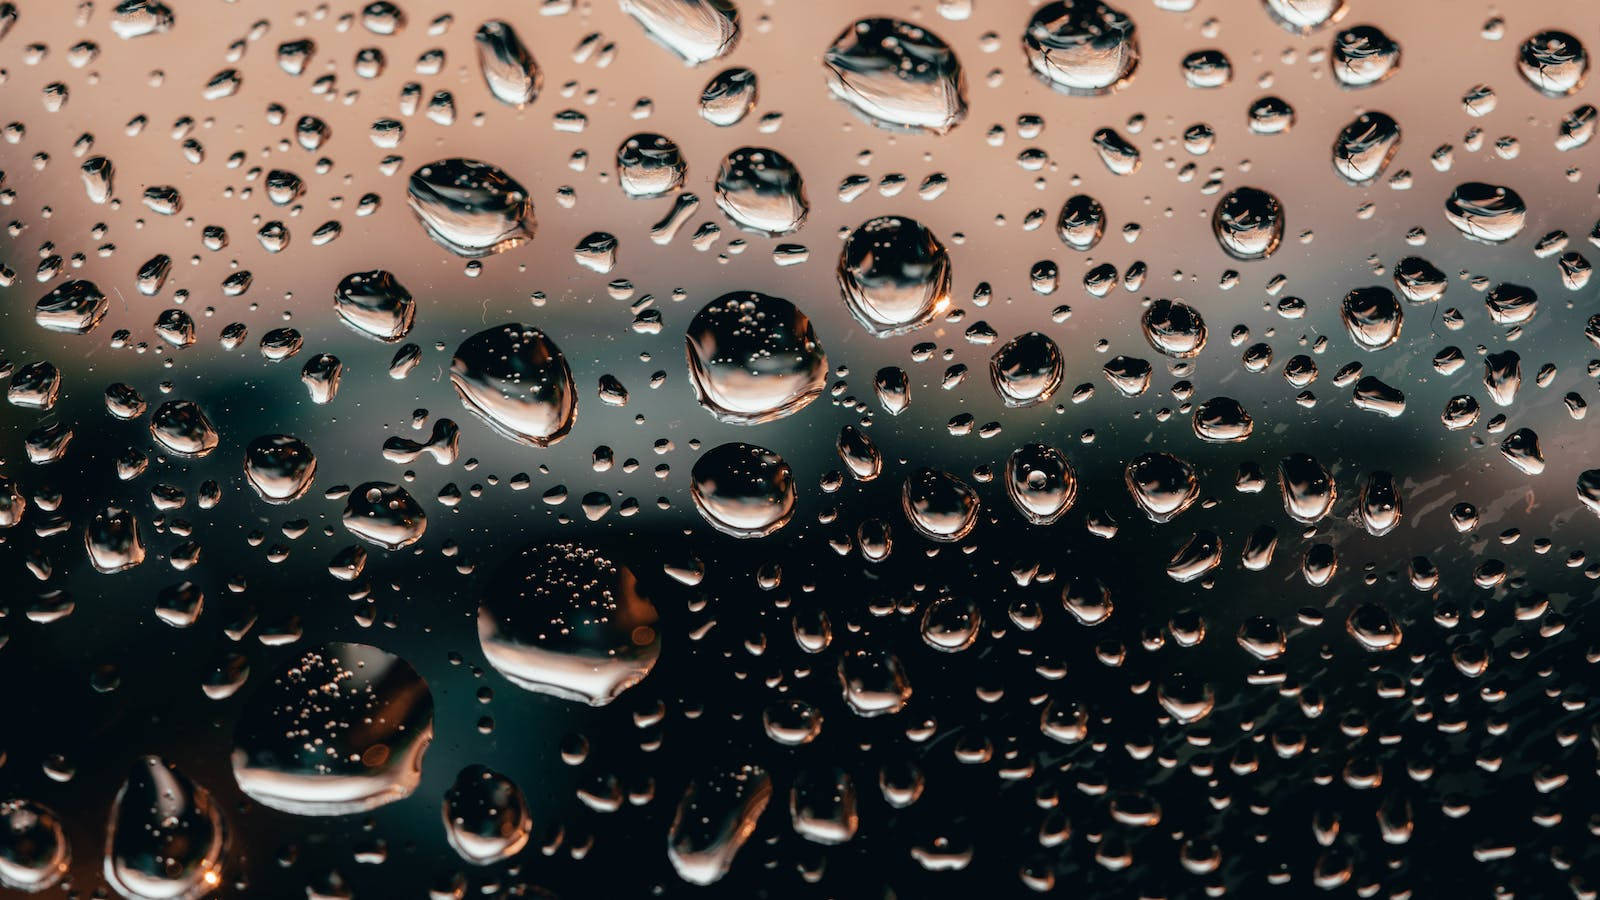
{"points": [[166, 837], [508, 68]]}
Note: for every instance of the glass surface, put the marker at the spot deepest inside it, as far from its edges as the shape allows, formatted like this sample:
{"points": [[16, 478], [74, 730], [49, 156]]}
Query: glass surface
{"points": [[738, 448]]}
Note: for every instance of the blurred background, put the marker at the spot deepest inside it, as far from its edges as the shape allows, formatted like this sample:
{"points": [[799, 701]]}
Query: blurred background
{"points": [[95, 689]]}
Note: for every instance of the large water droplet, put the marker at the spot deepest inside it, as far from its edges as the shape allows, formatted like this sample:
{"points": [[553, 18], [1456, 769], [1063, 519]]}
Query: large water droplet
{"points": [[166, 838], [516, 380], [561, 619], [485, 816], [650, 165], [508, 68], [1026, 369], [1372, 316], [761, 191], [717, 814], [1305, 16], [754, 358], [384, 514], [743, 490], [182, 428], [898, 75], [1364, 148], [1308, 490], [280, 467], [696, 30], [728, 97], [1554, 62], [894, 275], [34, 853], [1488, 212], [1041, 483], [342, 729], [72, 307], [470, 208], [375, 304], [1248, 223], [1081, 47], [1363, 56], [940, 506], [1162, 485], [1174, 328]]}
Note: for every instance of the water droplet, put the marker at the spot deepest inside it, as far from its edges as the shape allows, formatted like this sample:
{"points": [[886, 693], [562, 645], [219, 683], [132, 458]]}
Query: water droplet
{"points": [[1488, 212], [1026, 370], [1041, 483], [754, 358], [34, 853], [1162, 485], [166, 837], [940, 506], [561, 619], [517, 381], [342, 729], [1554, 62], [761, 191], [1372, 316], [728, 97], [485, 816], [1363, 56], [894, 275], [280, 467], [384, 514], [375, 304], [470, 208], [1081, 47], [508, 68], [649, 165], [717, 814], [743, 490], [897, 75], [182, 429], [1364, 148], [696, 30], [1248, 223]]}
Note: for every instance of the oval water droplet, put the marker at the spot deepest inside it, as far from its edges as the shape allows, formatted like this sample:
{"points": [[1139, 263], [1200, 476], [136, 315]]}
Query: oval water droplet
{"points": [[384, 514], [1487, 212], [743, 490], [564, 620], [341, 729], [280, 467], [894, 275], [517, 381], [508, 68], [696, 30], [1162, 485], [1081, 47], [897, 75], [1248, 223], [754, 358], [375, 304], [762, 192], [1026, 369], [166, 837], [470, 208], [485, 816]]}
